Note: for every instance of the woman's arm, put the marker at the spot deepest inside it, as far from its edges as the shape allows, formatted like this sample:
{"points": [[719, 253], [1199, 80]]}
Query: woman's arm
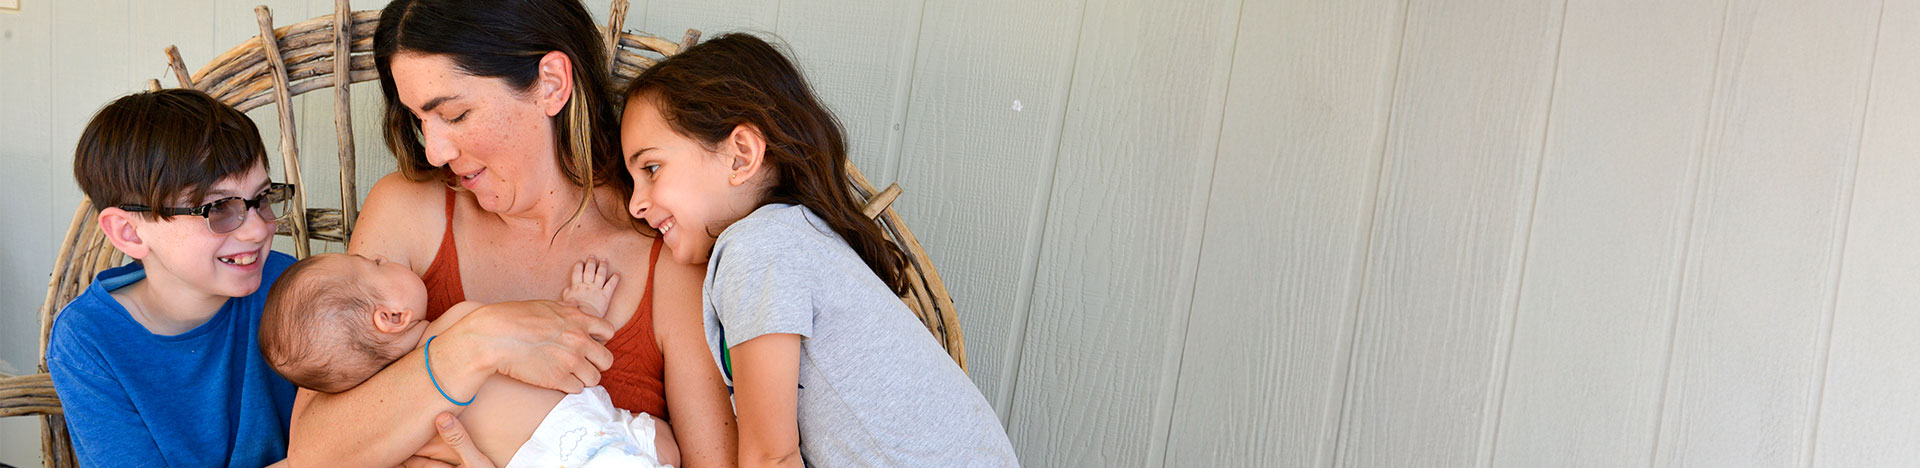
{"points": [[385, 419], [766, 381], [388, 417], [696, 396]]}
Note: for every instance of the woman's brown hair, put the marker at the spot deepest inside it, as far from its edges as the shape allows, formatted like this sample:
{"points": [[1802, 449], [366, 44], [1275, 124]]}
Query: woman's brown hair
{"points": [[709, 89], [505, 39]]}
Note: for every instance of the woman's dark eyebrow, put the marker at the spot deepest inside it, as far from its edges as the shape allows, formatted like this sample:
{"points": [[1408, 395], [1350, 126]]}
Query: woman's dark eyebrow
{"points": [[435, 102]]}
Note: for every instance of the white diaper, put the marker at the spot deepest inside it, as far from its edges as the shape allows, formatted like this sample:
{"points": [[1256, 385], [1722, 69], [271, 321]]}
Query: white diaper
{"points": [[586, 430]]}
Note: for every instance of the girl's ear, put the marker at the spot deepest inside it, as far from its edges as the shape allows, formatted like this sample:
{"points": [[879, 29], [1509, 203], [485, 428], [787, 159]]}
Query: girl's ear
{"points": [[391, 320], [122, 228], [746, 149], [554, 84]]}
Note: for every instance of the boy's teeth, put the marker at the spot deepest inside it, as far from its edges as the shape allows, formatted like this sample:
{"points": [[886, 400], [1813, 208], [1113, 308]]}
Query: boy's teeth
{"points": [[242, 259]]}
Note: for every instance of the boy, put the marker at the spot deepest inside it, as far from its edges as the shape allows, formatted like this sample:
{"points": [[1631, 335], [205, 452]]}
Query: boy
{"points": [[156, 363], [334, 320]]}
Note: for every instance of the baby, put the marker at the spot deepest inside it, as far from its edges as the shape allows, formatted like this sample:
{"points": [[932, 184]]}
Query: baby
{"points": [[334, 320]]}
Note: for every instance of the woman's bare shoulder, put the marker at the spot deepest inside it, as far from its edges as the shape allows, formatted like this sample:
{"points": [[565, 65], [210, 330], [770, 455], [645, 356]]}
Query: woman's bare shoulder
{"points": [[402, 220], [676, 306]]}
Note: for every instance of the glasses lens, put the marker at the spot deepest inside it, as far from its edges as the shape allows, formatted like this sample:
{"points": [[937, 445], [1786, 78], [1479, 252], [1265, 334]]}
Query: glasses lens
{"points": [[274, 203], [226, 215]]}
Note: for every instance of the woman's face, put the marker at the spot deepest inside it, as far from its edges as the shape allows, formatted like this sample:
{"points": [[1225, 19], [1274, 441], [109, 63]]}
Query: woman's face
{"points": [[497, 141]]}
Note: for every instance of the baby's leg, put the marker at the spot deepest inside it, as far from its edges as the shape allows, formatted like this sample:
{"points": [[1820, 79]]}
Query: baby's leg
{"points": [[663, 443], [592, 286]]}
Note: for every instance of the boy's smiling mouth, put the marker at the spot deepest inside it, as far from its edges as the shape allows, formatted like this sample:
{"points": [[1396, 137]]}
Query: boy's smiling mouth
{"points": [[241, 259]]}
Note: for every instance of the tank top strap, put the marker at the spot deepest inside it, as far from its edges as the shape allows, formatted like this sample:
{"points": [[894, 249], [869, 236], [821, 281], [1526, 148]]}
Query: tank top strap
{"points": [[444, 288], [653, 261]]}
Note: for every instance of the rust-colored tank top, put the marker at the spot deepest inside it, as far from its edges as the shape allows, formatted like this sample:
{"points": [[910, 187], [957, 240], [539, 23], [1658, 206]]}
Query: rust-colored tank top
{"points": [[637, 380]]}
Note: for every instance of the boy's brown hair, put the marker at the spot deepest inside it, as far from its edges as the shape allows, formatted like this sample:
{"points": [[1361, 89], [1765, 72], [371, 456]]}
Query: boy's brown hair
{"points": [[162, 147]]}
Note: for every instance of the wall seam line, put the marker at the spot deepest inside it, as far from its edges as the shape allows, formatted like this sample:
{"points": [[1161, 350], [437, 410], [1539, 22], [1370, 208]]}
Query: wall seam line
{"points": [[1490, 423], [1843, 227], [1358, 296], [1037, 230], [1696, 178], [1164, 416]]}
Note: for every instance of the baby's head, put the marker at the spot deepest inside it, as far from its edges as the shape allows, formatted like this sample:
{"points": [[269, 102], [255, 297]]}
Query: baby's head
{"points": [[333, 320]]}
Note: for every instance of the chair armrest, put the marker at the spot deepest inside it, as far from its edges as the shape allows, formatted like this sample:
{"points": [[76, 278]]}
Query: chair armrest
{"points": [[27, 395]]}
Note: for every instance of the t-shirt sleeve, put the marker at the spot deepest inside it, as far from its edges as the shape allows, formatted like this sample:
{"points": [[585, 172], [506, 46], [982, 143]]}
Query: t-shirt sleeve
{"points": [[105, 429], [763, 281]]}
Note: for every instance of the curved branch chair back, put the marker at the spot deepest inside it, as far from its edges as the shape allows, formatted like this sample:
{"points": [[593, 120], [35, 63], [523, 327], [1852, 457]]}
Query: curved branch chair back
{"points": [[301, 59]]}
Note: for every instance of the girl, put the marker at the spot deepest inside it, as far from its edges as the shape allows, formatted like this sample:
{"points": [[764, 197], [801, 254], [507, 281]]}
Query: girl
{"points": [[739, 167]]}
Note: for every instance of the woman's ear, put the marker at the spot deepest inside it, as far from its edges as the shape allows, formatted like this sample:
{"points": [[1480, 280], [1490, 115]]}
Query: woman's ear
{"points": [[553, 87], [390, 320], [746, 151], [122, 228]]}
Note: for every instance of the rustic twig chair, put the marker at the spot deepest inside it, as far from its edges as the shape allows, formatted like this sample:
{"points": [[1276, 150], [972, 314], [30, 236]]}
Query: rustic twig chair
{"points": [[300, 59]]}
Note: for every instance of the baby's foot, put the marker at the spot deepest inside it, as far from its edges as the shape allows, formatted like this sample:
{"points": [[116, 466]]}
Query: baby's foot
{"points": [[592, 286]]}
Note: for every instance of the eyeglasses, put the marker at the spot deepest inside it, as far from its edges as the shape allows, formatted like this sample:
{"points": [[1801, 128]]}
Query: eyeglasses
{"points": [[227, 214]]}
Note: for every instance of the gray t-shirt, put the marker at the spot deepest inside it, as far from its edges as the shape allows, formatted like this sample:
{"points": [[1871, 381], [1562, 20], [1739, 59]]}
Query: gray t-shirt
{"points": [[875, 388]]}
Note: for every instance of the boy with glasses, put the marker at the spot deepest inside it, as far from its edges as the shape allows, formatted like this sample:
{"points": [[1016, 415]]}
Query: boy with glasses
{"points": [[157, 363]]}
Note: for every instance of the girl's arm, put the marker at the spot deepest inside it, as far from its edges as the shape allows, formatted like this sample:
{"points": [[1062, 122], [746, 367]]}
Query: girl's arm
{"points": [[766, 382], [696, 396]]}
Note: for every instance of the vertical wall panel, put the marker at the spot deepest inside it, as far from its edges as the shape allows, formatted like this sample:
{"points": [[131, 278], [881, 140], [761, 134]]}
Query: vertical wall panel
{"points": [[1869, 416], [1597, 300], [34, 166], [983, 127], [1761, 266], [1263, 370], [1122, 233], [1456, 189], [860, 66]]}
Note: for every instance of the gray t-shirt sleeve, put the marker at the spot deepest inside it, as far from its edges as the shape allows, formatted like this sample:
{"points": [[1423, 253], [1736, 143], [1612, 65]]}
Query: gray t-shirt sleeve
{"points": [[763, 282]]}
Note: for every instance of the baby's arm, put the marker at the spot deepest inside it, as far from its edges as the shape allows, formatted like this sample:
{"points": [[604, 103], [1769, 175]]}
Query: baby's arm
{"points": [[592, 286]]}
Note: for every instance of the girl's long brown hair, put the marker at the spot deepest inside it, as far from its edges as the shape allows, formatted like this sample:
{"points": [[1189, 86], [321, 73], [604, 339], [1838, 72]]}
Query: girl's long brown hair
{"points": [[709, 89]]}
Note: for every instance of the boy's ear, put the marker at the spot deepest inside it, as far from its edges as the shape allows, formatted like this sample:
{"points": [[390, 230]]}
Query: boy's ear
{"points": [[746, 149], [553, 84], [391, 320], [122, 228]]}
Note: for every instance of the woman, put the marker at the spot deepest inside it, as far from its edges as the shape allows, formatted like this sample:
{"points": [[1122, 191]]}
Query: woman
{"points": [[508, 99]]}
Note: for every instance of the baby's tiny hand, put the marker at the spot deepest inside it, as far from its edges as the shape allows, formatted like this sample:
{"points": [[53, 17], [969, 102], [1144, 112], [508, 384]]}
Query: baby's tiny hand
{"points": [[592, 286]]}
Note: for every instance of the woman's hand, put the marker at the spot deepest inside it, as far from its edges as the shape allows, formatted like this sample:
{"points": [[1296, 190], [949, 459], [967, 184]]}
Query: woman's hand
{"points": [[453, 445], [543, 343]]}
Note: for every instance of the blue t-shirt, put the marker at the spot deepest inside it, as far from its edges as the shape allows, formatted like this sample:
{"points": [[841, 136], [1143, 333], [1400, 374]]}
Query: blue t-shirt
{"points": [[203, 398]]}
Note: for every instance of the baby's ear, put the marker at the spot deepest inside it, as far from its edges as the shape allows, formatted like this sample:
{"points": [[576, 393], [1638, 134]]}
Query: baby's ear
{"points": [[389, 319]]}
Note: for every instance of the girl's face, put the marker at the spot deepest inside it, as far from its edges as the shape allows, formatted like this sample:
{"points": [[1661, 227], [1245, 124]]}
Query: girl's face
{"points": [[496, 140], [680, 187]]}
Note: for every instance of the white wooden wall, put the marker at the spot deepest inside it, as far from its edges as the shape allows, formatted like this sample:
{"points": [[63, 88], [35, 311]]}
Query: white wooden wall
{"points": [[1510, 233]]}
